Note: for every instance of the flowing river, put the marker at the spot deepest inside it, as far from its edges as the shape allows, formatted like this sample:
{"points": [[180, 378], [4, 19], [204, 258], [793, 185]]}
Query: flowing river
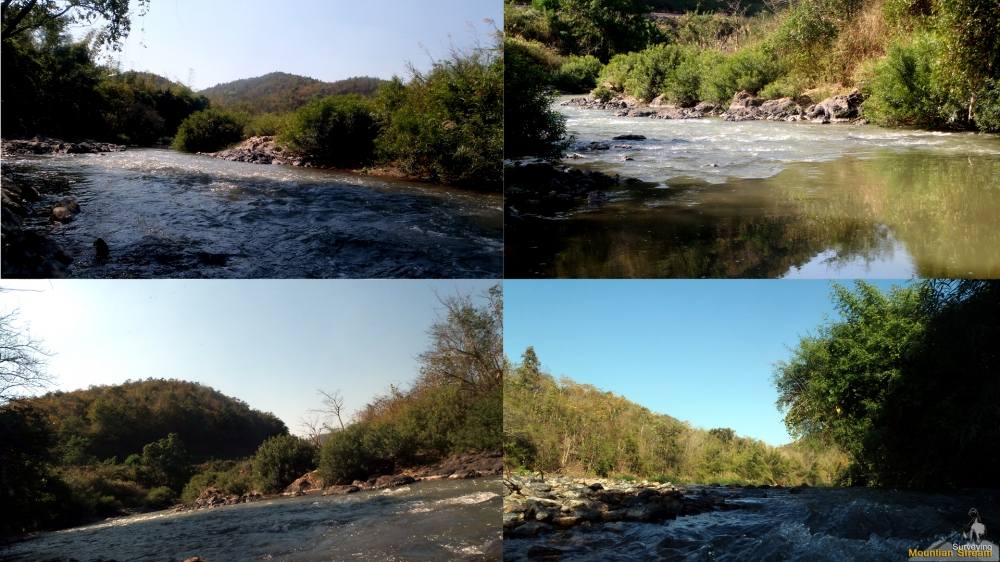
{"points": [[435, 520], [169, 214], [810, 525], [770, 199]]}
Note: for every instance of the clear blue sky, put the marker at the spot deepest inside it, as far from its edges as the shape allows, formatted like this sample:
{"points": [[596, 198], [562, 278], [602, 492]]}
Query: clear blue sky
{"points": [[701, 351], [215, 41], [269, 343]]}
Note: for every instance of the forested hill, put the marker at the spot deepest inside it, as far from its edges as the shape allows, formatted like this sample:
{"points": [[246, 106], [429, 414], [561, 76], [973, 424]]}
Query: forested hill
{"points": [[116, 421], [279, 92], [575, 428]]}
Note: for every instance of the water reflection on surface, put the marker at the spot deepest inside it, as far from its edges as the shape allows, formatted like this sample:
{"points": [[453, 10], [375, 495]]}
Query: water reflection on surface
{"points": [[886, 213]]}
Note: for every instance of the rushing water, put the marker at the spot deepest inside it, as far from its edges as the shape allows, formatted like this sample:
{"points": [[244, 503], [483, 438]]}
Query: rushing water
{"points": [[438, 520], [810, 526], [771, 199], [169, 214]]}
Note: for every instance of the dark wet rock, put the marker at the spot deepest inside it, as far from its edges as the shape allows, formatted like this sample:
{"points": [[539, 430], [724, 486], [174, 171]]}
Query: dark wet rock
{"points": [[260, 150], [546, 189], [393, 481], [629, 137], [26, 254], [101, 250], [596, 145]]}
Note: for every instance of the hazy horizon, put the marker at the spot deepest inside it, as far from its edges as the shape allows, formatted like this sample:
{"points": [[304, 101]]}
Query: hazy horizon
{"points": [[203, 44]]}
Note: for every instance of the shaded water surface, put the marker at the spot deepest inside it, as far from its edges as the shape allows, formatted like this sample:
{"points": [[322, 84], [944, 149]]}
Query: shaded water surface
{"points": [[439, 520], [168, 214], [813, 525], [771, 199]]}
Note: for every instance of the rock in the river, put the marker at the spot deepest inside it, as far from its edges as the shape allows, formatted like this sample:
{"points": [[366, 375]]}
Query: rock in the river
{"points": [[260, 150], [746, 107], [537, 504], [101, 250], [630, 137], [391, 481]]}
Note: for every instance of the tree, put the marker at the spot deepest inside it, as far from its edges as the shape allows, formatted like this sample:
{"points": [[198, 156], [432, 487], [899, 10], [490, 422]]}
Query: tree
{"points": [[22, 16], [168, 461], [22, 360], [333, 405], [467, 346]]}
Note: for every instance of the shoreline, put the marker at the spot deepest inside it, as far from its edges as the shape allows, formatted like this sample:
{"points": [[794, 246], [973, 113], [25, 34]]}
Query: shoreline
{"points": [[744, 106]]}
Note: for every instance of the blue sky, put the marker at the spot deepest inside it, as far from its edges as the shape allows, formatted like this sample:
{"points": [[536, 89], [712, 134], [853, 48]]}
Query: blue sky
{"points": [[269, 343], [701, 351], [205, 42]]}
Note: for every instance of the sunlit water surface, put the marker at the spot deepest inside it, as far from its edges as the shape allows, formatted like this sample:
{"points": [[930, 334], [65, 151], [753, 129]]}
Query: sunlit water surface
{"points": [[169, 214], [771, 199], [439, 520]]}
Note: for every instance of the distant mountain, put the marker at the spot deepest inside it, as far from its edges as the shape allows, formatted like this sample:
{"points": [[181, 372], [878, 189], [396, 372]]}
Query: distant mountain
{"points": [[279, 91], [115, 421]]}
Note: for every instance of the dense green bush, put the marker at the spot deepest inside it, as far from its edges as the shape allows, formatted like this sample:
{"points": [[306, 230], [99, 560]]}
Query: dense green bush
{"points": [[749, 70], [531, 126], [208, 131], [337, 130], [908, 87], [578, 74], [280, 460], [616, 72], [359, 451], [446, 125], [987, 109], [160, 497], [232, 477]]}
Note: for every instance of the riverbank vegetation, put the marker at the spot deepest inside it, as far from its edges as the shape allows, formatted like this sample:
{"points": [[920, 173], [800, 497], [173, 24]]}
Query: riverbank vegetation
{"points": [[563, 426], [67, 458], [899, 375], [454, 406], [444, 125], [931, 64]]}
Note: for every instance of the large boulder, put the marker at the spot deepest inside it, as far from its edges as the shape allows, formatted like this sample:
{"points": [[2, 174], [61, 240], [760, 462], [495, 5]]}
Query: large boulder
{"points": [[307, 483], [391, 481], [842, 107]]}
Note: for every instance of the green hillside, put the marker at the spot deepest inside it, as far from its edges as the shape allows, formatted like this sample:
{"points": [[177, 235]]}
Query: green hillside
{"points": [[279, 92], [116, 421], [563, 426]]}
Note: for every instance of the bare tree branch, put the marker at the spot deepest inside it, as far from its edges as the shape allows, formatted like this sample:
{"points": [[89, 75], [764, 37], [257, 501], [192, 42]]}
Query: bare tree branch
{"points": [[22, 360]]}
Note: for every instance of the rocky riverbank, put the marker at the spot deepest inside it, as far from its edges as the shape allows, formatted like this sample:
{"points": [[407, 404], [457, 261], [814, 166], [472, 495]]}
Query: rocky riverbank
{"points": [[456, 467], [538, 504], [842, 108], [544, 188], [45, 145], [28, 254]]}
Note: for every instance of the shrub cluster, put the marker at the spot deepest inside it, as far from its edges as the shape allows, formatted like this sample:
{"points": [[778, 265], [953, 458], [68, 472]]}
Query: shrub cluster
{"points": [[336, 130], [280, 460], [208, 131]]}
